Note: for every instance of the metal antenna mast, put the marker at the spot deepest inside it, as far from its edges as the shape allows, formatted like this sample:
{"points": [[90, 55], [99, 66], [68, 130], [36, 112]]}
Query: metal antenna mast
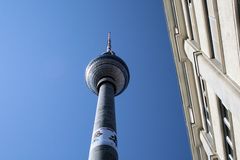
{"points": [[109, 47]]}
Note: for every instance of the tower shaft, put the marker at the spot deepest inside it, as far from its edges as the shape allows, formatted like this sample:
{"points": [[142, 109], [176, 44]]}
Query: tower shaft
{"points": [[104, 137]]}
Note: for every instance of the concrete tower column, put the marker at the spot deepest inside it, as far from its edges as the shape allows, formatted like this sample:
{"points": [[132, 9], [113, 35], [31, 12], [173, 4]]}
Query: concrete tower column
{"points": [[107, 76], [104, 138]]}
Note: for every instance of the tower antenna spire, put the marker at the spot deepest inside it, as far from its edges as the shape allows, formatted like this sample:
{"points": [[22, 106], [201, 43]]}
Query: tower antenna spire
{"points": [[109, 46]]}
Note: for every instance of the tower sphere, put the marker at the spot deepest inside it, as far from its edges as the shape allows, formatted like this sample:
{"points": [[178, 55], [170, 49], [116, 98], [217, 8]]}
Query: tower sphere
{"points": [[107, 68]]}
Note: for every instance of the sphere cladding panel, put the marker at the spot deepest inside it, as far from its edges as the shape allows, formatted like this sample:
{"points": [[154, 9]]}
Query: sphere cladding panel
{"points": [[107, 66]]}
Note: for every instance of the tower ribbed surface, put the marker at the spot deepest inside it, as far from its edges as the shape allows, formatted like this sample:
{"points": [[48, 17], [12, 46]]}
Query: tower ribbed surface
{"points": [[107, 67]]}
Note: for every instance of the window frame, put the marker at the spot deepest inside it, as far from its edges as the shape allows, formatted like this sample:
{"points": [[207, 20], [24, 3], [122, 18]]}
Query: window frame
{"points": [[216, 57], [194, 36], [228, 132], [207, 121]]}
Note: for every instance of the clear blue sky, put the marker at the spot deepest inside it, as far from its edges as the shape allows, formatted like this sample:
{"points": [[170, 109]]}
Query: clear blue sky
{"points": [[47, 111]]}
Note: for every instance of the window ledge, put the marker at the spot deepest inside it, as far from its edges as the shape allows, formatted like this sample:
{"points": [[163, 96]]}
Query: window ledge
{"points": [[207, 143]]}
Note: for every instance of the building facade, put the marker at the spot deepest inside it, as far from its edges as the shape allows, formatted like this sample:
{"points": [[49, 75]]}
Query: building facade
{"points": [[205, 37]]}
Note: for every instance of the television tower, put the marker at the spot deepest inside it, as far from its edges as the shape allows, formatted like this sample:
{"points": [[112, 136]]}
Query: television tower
{"points": [[107, 76]]}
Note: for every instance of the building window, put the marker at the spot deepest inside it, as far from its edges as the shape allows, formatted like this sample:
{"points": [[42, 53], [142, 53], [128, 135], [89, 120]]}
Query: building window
{"points": [[238, 7], [214, 30], [188, 21], [174, 17], [227, 131], [238, 3], [206, 111], [193, 32]]}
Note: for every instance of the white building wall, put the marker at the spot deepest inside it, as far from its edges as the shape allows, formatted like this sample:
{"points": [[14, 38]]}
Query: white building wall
{"points": [[216, 121], [201, 19], [194, 58], [230, 37]]}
